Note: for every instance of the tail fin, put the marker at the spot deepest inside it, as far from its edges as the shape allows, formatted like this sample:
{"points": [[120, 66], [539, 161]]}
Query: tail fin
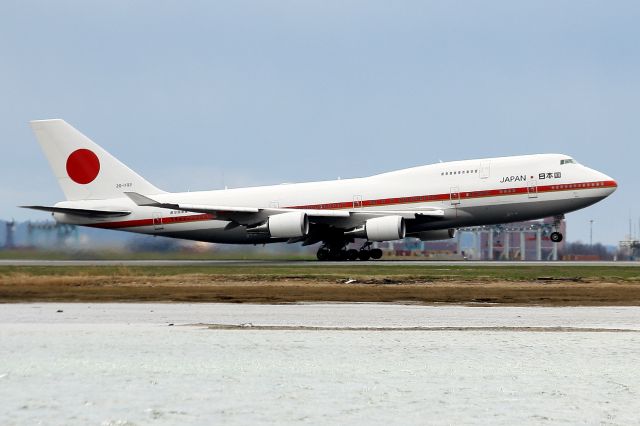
{"points": [[84, 170]]}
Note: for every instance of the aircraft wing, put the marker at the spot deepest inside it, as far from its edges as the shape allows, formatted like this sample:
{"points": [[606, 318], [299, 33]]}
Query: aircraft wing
{"points": [[81, 212], [241, 215], [253, 215]]}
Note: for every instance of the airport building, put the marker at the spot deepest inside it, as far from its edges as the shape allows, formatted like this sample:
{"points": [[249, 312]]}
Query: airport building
{"points": [[515, 241]]}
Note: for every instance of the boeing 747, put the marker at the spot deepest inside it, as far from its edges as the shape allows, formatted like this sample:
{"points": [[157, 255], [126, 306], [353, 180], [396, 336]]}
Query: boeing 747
{"points": [[427, 202]]}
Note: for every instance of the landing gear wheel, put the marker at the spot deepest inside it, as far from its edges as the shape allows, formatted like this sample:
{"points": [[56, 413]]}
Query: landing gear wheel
{"points": [[555, 237], [364, 254], [323, 254], [352, 254], [376, 253], [337, 255]]}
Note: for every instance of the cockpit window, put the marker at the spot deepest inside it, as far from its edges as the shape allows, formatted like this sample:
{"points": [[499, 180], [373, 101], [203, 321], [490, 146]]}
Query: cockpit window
{"points": [[568, 161]]}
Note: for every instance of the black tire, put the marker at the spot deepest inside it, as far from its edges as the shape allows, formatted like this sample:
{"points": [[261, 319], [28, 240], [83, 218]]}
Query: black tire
{"points": [[556, 237], [334, 256], [343, 255], [323, 254], [364, 255], [352, 254], [376, 253]]}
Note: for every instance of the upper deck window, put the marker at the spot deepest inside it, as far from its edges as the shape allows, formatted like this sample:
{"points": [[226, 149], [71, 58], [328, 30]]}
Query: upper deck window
{"points": [[568, 161]]}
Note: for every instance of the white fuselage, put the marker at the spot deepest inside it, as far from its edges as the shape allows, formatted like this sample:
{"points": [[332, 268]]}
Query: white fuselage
{"points": [[471, 192]]}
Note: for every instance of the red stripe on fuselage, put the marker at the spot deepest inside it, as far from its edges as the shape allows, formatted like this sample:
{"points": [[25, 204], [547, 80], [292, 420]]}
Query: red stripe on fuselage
{"points": [[165, 220], [463, 195]]}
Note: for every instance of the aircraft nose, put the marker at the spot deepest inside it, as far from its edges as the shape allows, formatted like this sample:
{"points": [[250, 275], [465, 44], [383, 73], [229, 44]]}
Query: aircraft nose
{"points": [[609, 183]]}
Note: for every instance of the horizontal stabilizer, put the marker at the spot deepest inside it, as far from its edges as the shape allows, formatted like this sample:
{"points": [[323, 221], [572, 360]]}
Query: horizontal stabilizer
{"points": [[141, 200], [81, 212]]}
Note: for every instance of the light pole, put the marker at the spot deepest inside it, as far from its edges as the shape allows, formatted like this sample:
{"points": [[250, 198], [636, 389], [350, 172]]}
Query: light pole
{"points": [[591, 233]]}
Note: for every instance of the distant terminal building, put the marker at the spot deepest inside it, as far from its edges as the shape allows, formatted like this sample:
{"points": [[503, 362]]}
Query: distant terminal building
{"points": [[9, 234], [514, 241], [629, 249], [44, 234]]}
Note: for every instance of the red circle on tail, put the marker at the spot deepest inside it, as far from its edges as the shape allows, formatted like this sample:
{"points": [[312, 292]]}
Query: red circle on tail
{"points": [[83, 166]]}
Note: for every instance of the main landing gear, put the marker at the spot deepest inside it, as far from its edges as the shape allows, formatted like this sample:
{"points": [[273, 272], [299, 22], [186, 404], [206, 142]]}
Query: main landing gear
{"points": [[366, 252], [339, 252]]}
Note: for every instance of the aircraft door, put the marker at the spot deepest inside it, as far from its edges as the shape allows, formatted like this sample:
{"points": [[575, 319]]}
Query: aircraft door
{"points": [[157, 221], [455, 196], [357, 201], [532, 189], [485, 169]]}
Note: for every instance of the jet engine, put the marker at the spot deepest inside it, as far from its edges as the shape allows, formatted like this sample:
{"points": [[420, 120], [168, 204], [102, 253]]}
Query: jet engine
{"points": [[385, 228], [283, 225], [439, 234]]}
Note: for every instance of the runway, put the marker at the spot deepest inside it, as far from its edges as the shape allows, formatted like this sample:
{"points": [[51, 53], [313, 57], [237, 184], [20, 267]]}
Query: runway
{"points": [[302, 263]]}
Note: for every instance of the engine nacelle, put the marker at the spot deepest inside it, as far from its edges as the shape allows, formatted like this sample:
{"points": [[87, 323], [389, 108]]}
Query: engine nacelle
{"points": [[385, 228], [284, 225], [436, 235]]}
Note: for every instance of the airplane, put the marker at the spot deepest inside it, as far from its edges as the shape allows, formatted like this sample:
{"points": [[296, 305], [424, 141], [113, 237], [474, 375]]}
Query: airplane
{"points": [[427, 202]]}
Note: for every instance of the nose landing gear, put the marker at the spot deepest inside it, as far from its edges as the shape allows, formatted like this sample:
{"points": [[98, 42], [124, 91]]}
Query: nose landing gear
{"points": [[556, 236]]}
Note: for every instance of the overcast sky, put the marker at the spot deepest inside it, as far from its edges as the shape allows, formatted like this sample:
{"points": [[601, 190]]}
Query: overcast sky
{"points": [[195, 95]]}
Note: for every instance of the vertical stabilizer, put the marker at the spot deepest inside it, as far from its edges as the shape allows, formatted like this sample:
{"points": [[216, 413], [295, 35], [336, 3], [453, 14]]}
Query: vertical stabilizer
{"points": [[84, 170]]}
